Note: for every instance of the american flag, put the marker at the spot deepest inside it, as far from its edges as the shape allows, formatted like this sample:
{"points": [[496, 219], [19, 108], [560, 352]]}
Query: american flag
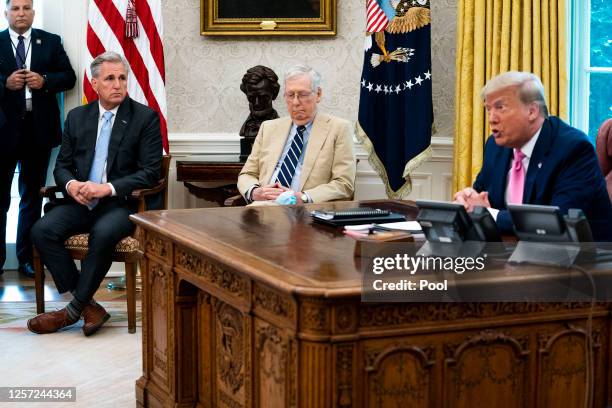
{"points": [[131, 21], [109, 29], [395, 102], [376, 19]]}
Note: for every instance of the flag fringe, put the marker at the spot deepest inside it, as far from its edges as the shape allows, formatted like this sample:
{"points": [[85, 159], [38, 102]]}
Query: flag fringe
{"points": [[379, 168]]}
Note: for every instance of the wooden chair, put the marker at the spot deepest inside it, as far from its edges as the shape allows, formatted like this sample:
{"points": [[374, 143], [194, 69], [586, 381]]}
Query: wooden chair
{"points": [[235, 201], [127, 250]]}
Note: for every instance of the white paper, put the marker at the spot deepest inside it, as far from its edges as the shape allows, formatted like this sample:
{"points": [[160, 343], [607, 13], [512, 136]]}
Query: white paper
{"points": [[412, 226]]}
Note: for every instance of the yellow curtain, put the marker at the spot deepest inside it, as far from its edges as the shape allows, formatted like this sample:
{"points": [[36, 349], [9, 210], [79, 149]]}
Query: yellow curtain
{"points": [[495, 36]]}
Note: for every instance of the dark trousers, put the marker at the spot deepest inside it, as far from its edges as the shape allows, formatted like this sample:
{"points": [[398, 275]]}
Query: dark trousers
{"points": [[33, 163], [106, 224]]}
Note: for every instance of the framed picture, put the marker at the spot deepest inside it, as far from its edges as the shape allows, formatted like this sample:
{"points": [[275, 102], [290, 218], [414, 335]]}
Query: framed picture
{"points": [[268, 17]]}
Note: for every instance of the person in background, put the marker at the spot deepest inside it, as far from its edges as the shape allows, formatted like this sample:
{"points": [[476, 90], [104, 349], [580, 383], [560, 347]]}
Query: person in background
{"points": [[34, 68], [308, 153], [111, 147]]}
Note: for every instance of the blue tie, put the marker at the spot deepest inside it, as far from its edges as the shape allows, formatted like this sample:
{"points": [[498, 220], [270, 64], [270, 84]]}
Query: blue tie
{"points": [[99, 161], [20, 57], [20, 60], [287, 170]]}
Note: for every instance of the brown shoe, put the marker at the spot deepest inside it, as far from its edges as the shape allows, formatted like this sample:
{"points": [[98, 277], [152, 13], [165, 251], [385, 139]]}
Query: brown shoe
{"points": [[50, 322], [94, 316]]}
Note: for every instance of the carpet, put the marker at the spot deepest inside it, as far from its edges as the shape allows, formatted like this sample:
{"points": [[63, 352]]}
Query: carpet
{"points": [[102, 367]]}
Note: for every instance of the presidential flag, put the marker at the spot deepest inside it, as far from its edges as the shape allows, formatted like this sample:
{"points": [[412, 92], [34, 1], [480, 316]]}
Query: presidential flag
{"points": [[132, 28], [395, 105]]}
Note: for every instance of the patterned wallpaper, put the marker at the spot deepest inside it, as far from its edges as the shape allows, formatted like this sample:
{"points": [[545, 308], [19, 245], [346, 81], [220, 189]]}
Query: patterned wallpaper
{"points": [[203, 73]]}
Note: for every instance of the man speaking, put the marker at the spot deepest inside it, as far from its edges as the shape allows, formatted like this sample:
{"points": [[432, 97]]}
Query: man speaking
{"points": [[534, 158]]}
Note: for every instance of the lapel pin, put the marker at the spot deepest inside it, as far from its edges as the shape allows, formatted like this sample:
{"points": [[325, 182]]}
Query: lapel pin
{"points": [[38, 41], [124, 121], [540, 165]]}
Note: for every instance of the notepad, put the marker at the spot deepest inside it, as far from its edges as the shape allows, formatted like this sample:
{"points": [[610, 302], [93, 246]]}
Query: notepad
{"points": [[361, 215]]}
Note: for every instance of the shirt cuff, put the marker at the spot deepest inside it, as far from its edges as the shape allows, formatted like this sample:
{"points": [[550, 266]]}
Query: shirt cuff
{"points": [[249, 193], [493, 212], [67, 184], [113, 192]]}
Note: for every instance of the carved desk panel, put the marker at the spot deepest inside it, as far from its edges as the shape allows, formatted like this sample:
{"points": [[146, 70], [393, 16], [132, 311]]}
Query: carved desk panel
{"points": [[256, 307]]}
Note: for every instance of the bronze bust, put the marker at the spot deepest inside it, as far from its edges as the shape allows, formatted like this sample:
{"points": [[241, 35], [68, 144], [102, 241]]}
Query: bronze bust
{"points": [[261, 87]]}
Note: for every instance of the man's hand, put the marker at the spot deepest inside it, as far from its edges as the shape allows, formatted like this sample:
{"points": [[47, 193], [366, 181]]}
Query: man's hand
{"points": [[298, 197], [471, 198], [479, 200], [74, 189], [462, 197], [90, 190], [268, 192], [34, 80], [16, 80]]}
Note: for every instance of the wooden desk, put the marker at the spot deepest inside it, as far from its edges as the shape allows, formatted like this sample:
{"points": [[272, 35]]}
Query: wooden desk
{"points": [[216, 176], [256, 307]]}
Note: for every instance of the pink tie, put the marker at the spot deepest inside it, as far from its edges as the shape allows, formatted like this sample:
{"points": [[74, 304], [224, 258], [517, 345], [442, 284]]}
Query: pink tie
{"points": [[517, 179]]}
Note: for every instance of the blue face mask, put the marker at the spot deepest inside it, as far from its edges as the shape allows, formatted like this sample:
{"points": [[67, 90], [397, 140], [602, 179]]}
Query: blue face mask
{"points": [[286, 198]]}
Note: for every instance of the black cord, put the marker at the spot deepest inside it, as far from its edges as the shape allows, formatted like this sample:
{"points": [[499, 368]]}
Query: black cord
{"points": [[590, 369]]}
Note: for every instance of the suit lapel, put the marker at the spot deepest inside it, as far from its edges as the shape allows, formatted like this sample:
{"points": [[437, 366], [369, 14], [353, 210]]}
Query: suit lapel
{"points": [[121, 122], [279, 134], [35, 48], [7, 58], [90, 133], [504, 156], [318, 134], [540, 151]]}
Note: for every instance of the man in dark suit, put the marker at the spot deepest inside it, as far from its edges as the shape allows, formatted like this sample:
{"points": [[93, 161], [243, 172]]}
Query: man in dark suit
{"points": [[2, 117], [34, 68], [110, 147], [534, 158]]}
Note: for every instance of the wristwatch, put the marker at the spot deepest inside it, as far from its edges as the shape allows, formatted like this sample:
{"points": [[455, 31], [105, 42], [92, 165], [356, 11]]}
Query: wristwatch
{"points": [[304, 197]]}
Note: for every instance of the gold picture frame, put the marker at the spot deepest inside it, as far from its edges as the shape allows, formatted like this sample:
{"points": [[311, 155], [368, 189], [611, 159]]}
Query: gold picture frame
{"points": [[268, 17]]}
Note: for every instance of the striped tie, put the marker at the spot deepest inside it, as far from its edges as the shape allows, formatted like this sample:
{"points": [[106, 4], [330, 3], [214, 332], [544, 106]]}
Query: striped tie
{"points": [[287, 170]]}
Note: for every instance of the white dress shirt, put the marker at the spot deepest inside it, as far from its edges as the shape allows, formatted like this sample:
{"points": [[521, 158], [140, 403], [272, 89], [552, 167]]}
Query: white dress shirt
{"points": [[527, 150], [27, 44], [295, 181], [100, 123]]}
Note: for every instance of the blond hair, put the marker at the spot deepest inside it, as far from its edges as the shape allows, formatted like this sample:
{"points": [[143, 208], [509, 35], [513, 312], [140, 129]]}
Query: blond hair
{"points": [[530, 88]]}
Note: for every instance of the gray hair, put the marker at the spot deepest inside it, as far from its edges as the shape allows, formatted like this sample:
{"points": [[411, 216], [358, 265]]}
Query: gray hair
{"points": [[108, 56], [530, 88], [9, 1], [299, 70]]}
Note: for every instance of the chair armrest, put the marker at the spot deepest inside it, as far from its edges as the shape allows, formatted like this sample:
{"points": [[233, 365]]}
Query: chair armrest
{"points": [[49, 192], [235, 201], [143, 192]]}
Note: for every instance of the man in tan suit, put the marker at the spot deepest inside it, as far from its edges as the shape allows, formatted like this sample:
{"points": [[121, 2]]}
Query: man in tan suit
{"points": [[309, 153]]}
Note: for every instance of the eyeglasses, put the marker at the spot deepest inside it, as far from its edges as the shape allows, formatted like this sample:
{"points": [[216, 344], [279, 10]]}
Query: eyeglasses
{"points": [[300, 95]]}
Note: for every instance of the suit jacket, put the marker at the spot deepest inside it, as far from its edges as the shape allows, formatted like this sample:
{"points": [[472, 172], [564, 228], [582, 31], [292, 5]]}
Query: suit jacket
{"points": [[2, 117], [328, 170], [47, 58], [563, 172], [134, 150]]}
